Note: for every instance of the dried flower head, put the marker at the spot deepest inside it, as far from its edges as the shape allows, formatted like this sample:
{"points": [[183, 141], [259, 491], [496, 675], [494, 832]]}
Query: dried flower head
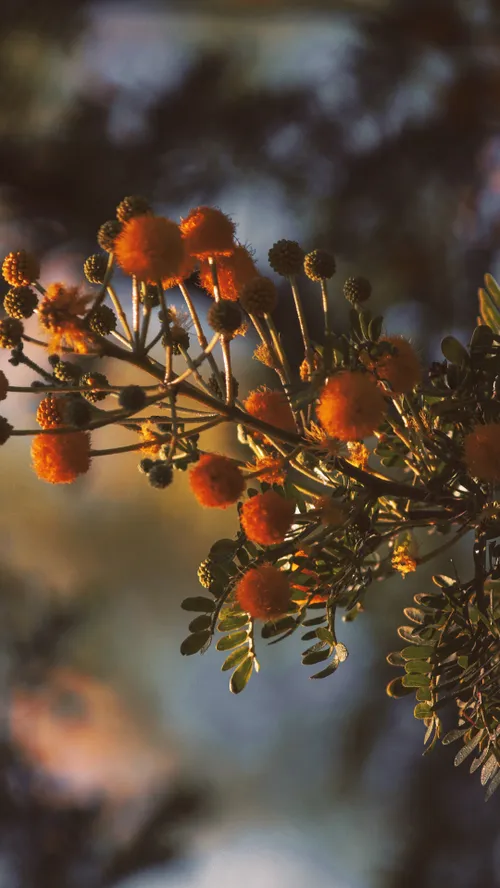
{"points": [[351, 406], [160, 474], [102, 320], [264, 592], [95, 267], [321, 441], [482, 452], [272, 407], [271, 469], [286, 258], [357, 289], [133, 205], [319, 265], [107, 234], [11, 332], [267, 518], [216, 481], [4, 386], [20, 268], [150, 248], [59, 314], [402, 370], [259, 296], [20, 302], [5, 430], [60, 459], [90, 385], [207, 231], [224, 317], [233, 272], [132, 397], [306, 368], [50, 412]]}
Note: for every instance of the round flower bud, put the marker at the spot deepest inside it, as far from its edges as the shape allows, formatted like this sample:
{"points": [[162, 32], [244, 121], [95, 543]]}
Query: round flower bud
{"points": [[146, 465], [5, 430], [482, 452], [11, 332], [50, 413], [351, 406], [95, 267], [286, 257], [150, 248], [319, 265], [77, 412], [107, 234], [160, 474], [66, 372], [267, 518], [264, 592], [91, 381], [102, 320], [179, 337], [132, 397], [4, 386], [20, 269], [224, 317], [131, 206], [216, 481], [259, 296], [215, 388], [150, 298], [20, 302], [60, 459], [207, 231], [205, 575], [357, 289]]}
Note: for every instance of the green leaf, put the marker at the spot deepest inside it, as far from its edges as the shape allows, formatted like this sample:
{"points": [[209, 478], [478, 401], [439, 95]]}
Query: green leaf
{"points": [[375, 328], [194, 643], [233, 622], [454, 351], [241, 676], [199, 603], [422, 710], [467, 749], [310, 659], [415, 680], [418, 652], [396, 689], [234, 658], [493, 786], [482, 338], [200, 623], [326, 635], [231, 641], [479, 760], [223, 550], [424, 695], [453, 736], [276, 627], [308, 636], [489, 769], [328, 671], [407, 634], [414, 614], [418, 666], [395, 659]]}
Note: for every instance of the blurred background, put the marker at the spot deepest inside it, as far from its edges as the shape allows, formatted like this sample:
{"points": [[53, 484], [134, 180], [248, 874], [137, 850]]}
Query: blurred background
{"points": [[368, 127]]}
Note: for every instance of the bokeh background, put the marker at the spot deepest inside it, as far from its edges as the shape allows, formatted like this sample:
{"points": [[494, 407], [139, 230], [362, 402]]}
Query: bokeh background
{"points": [[370, 127]]}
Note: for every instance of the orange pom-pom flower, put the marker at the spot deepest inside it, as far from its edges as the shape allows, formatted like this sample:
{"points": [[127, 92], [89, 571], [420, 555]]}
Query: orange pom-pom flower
{"points": [[482, 451], [59, 459], [264, 592], [60, 313], [208, 232], [271, 407], [216, 481], [150, 248], [267, 517], [351, 406], [401, 370], [233, 272]]}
